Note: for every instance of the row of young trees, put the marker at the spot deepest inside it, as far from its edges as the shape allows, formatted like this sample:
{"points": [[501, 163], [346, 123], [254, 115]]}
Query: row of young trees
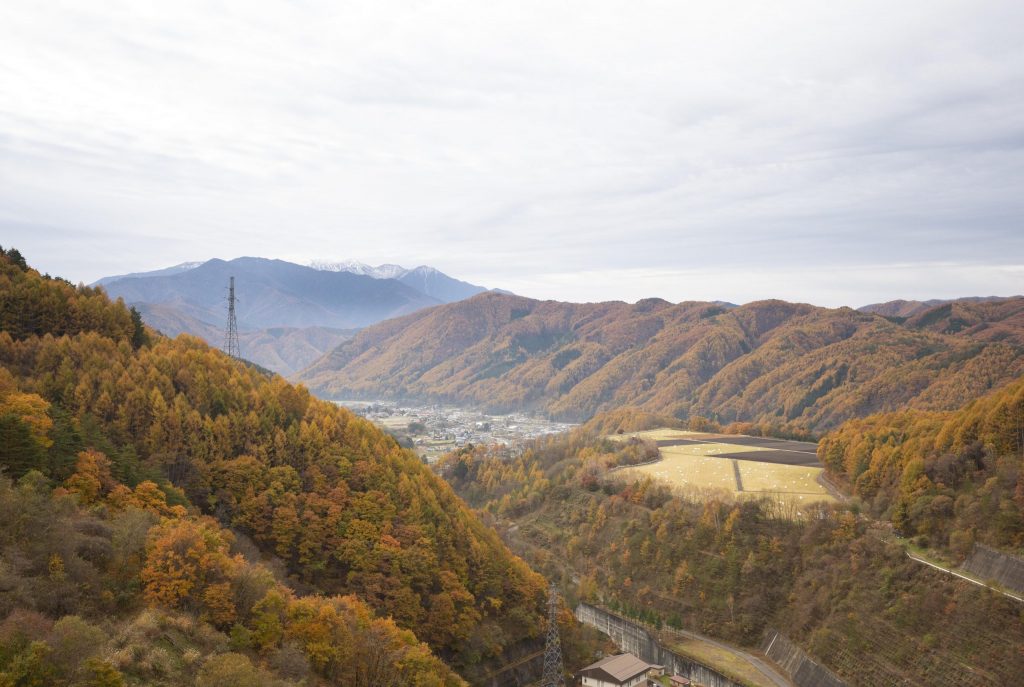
{"points": [[337, 501]]}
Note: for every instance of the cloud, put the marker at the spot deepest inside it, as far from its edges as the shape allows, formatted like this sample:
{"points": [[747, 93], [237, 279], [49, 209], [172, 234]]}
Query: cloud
{"points": [[698, 280], [512, 142]]}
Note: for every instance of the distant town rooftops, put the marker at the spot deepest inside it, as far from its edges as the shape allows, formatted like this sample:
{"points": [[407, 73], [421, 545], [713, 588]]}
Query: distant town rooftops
{"points": [[620, 668]]}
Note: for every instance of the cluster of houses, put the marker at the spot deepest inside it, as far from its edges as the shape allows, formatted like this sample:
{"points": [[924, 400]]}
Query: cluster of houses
{"points": [[626, 670]]}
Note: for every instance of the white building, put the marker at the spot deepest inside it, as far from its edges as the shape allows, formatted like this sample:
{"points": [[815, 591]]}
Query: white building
{"points": [[623, 670]]}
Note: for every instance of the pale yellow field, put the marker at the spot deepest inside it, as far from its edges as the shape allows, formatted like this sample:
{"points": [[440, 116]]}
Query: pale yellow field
{"points": [[795, 480], [687, 467], [700, 466]]}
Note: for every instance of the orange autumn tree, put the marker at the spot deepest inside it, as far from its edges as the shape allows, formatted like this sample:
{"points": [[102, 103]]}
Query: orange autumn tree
{"points": [[92, 478], [188, 565], [146, 496]]}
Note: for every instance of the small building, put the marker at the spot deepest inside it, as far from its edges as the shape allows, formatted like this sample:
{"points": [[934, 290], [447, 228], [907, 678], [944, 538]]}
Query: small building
{"points": [[679, 681], [622, 670]]}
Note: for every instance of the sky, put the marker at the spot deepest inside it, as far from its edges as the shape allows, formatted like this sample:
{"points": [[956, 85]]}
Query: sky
{"points": [[837, 153]]}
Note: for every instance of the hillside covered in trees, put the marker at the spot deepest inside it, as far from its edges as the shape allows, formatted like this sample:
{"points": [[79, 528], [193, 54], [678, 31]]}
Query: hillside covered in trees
{"points": [[948, 478], [796, 367], [834, 580], [181, 515]]}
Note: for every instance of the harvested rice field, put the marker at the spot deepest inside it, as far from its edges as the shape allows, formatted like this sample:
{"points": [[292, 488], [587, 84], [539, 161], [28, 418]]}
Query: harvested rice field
{"points": [[751, 467]]}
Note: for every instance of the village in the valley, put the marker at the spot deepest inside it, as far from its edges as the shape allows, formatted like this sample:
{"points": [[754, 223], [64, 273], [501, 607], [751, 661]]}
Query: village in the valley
{"points": [[433, 430]]}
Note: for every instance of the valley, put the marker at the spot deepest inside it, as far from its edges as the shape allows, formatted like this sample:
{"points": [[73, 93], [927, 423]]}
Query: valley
{"points": [[725, 541], [455, 344]]}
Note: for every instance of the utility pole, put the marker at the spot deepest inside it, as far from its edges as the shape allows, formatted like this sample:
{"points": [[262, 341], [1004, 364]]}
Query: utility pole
{"points": [[231, 334], [554, 671]]}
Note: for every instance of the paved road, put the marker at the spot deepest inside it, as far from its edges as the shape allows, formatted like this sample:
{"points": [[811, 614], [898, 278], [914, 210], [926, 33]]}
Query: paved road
{"points": [[962, 576], [759, 664]]}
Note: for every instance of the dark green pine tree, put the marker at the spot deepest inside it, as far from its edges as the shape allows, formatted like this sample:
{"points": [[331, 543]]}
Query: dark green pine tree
{"points": [[19, 452]]}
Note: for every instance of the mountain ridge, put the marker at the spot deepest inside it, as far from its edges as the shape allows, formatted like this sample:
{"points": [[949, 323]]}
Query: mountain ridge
{"points": [[274, 293], [908, 308], [769, 361], [318, 308]]}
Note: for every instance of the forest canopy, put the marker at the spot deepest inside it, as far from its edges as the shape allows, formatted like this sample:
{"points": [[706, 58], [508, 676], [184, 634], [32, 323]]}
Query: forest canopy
{"points": [[114, 419]]}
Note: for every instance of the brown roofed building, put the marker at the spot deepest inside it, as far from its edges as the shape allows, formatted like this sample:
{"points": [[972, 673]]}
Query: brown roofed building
{"points": [[623, 670]]}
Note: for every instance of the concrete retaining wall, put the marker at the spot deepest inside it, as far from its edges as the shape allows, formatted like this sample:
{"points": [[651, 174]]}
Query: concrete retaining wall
{"points": [[989, 564], [634, 639], [798, 665]]}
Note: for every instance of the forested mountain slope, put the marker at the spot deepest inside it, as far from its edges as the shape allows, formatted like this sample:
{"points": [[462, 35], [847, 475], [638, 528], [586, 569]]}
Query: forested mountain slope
{"points": [[789, 365], [904, 309], [951, 478], [836, 582], [126, 419]]}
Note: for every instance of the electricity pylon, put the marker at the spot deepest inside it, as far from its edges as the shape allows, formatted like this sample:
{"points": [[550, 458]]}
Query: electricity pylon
{"points": [[554, 672], [231, 333]]}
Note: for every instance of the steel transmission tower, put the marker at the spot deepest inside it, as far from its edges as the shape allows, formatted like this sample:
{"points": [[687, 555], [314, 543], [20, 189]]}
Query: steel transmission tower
{"points": [[231, 333], [554, 672]]}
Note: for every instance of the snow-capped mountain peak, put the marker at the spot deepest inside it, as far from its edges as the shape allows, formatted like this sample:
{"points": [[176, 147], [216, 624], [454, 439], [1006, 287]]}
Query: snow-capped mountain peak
{"points": [[386, 271], [353, 266], [426, 279], [389, 271]]}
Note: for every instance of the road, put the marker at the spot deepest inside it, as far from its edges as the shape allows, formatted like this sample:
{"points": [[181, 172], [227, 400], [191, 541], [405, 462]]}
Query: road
{"points": [[759, 664], [962, 576]]}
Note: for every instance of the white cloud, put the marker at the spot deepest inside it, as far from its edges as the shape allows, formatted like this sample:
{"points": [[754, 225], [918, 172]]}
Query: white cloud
{"points": [[509, 142], [854, 285]]}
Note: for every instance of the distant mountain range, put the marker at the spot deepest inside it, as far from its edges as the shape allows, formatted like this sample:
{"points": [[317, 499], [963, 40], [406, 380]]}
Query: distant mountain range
{"points": [[793, 365], [288, 314], [902, 308], [175, 269]]}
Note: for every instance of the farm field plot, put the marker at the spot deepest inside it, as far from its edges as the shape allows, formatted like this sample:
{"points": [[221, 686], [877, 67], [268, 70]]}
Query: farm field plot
{"points": [[684, 465], [762, 449], [748, 468], [798, 483]]}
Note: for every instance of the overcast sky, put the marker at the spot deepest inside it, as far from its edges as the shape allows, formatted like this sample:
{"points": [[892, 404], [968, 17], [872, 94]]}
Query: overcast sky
{"points": [[829, 152]]}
